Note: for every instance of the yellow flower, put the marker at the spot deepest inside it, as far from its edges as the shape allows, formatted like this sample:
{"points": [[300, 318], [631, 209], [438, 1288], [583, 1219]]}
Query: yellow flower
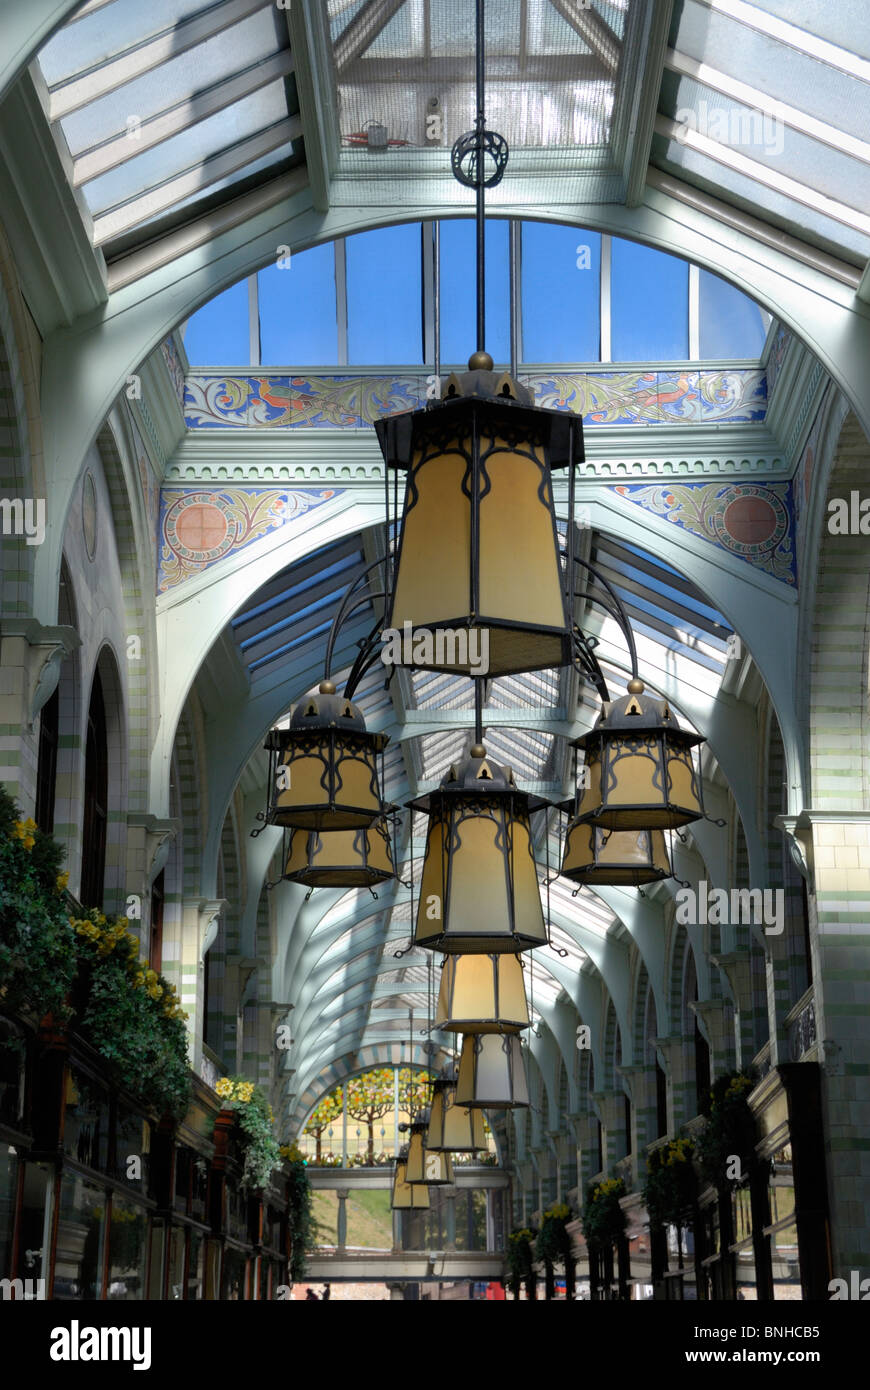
{"points": [[244, 1090], [62, 880], [224, 1088]]}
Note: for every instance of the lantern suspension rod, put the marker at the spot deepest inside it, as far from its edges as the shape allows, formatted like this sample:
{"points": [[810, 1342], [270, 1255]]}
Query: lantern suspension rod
{"points": [[480, 127]]}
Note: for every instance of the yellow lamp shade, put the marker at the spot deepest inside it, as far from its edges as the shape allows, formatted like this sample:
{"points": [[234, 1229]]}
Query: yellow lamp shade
{"points": [[453, 1128], [492, 1072], [594, 854], [640, 771], [478, 553], [479, 886], [323, 773], [438, 1168], [416, 1161], [340, 858], [407, 1196], [482, 994]]}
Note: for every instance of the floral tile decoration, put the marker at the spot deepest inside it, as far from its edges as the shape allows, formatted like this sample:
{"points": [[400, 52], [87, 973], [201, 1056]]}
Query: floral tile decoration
{"points": [[754, 521], [621, 397], [198, 527]]}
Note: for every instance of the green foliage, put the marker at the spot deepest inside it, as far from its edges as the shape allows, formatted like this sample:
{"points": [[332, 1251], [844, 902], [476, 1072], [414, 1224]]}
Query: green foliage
{"points": [[603, 1217], [520, 1256], [37, 945], [261, 1153], [672, 1183], [300, 1209], [131, 1015], [87, 968], [730, 1130], [554, 1243]]}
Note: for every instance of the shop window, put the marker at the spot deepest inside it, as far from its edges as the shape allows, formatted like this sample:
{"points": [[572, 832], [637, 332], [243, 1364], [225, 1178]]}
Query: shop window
{"points": [[233, 1275], [86, 1124], [9, 1167], [176, 1262], [96, 800], [128, 1231], [78, 1269], [46, 767], [196, 1266], [34, 1227]]}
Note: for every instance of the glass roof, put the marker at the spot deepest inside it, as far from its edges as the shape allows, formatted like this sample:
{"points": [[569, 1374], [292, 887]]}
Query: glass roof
{"points": [[765, 105], [165, 105], [398, 65]]}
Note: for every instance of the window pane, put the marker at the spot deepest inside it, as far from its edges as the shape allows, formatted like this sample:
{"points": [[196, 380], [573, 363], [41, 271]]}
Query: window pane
{"points": [[731, 323], [649, 301], [458, 265], [127, 1246], [78, 1270], [561, 294], [384, 296], [217, 334], [298, 323]]}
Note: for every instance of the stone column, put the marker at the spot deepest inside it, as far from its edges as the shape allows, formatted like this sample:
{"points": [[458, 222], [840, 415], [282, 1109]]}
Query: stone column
{"points": [[30, 662], [737, 970], [341, 1230], [714, 1014], [450, 1217], [681, 1098]]}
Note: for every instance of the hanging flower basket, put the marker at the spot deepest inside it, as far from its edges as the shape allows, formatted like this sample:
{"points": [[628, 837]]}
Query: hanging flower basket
{"points": [[730, 1134], [672, 1183], [603, 1217]]}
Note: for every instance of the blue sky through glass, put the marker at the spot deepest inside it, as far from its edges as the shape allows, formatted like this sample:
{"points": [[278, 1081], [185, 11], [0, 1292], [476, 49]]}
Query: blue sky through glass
{"points": [[385, 296], [297, 310], [459, 293], [649, 304], [560, 274], [561, 270], [217, 334], [731, 324]]}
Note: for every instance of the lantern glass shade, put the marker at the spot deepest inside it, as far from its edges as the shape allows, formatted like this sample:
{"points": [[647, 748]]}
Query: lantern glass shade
{"points": [[408, 1196], [479, 886], [492, 1073], [479, 515], [340, 858], [324, 768], [482, 994], [415, 1170], [596, 855], [438, 1168], [640, 771], [453, 1128]]}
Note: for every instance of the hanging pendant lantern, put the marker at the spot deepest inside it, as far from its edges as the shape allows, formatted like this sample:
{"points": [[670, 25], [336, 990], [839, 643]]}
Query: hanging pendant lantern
{"points": [[416, 1162], [479, 887], [492, 1074], [642, 773], [407, 1196], [482, 994], [453, 1128], [340, 858], [322, 768], [595, 855], [479, 515]]}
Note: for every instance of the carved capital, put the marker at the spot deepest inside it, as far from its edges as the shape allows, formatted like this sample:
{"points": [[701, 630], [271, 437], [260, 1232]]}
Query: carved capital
{"points": [[45, 650], [209, 914]]}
